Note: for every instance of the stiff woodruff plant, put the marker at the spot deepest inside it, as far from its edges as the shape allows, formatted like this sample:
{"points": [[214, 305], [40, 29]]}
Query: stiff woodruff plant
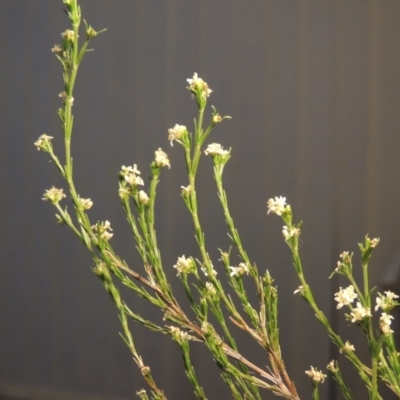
{"points": [[214, 313]]}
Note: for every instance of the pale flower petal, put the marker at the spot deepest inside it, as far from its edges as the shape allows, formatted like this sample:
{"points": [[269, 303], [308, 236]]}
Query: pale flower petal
{"points": [[345, 296], [277, 205]]}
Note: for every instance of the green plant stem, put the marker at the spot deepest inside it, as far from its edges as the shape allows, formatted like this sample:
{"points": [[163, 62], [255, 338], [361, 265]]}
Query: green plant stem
{"points": [[374, 347], [190, 372], [315, 393], [273, 347], [192, 165], [135, 231], [364, 371]]}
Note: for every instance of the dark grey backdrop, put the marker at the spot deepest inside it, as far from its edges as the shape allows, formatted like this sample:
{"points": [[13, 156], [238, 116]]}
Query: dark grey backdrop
{"points": [[313, 88]]}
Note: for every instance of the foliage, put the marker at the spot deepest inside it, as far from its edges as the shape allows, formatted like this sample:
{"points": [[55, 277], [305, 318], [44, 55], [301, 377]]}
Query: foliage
{"points": [[205, 292]]}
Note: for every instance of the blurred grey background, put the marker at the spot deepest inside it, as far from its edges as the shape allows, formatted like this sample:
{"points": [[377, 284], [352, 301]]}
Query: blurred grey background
{"points": [[313, 89]]}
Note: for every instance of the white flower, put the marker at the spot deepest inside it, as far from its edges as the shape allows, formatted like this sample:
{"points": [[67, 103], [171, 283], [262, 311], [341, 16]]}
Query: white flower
{"points": [[57, 49], [360, 312], [86, 204], [346, 260], [206, 328], [385, 322], [134, 180], [124, 193], [340, 266], [374, 242], [184, 265], [178, 335], [289, 233], [131, 175], [390, 295], [216, 149], [345, 255], [385, 302], [216, 118], [129, 170], [198, 86], [44, 142], [240, 270], [90, 32], [300, 290], [186, 190], [315, 375], [102, 229], [176, 132], [345, 296], [277, 205], [68, 35], [348, 347], [105, 227], [143, 198], [332, 366], [53, 195], [106, 236], [210, 289], [161, 159]]}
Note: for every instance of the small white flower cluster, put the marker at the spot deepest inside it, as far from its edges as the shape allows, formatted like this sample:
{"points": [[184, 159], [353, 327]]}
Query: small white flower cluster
{"points": [[386, 301], [184, 265], [176, 133], [345, 296], [216, 119], [332, 366], [91, 32], [103, 230], [179, 335], [186, 190], [360, 312], [143, 198], [374, 242], [53, 195], [206, 328], [289, 233], [315, 375], [384, 323], [124, 193], [347, 348], [210, 290], [44, 142], [216, 149], [100, 268], [131, 175], [345, 260], [198, 86], [239, 271], [68, 35], [57, 49], [161, 159], [86, 204], [277, 206]]}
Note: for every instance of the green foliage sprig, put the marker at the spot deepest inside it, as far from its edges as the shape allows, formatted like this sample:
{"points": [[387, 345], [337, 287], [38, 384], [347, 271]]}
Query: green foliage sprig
{"points": [[204, 288]]}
